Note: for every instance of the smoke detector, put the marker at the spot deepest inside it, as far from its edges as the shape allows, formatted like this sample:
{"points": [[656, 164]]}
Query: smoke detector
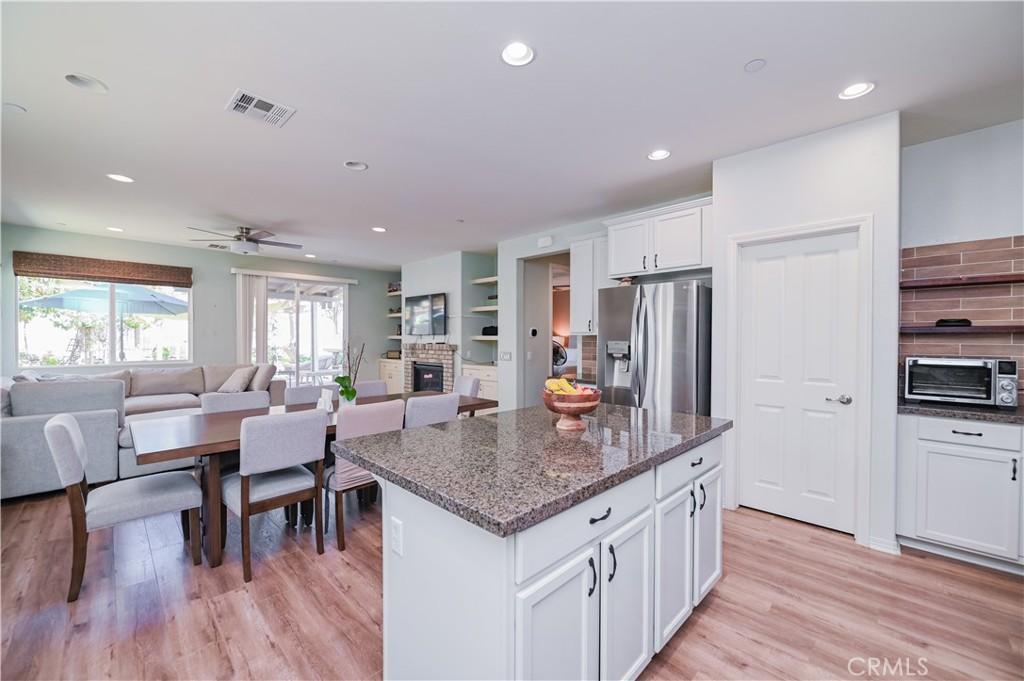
{"points": [[259, 108]]}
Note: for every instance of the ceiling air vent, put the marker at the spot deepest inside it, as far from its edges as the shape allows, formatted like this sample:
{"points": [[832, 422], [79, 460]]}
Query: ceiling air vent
{"points": [[254, 106], [217, 246]]}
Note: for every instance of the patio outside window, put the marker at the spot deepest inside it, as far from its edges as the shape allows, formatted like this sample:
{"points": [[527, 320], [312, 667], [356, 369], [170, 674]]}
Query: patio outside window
{"points": [[73, 322]]}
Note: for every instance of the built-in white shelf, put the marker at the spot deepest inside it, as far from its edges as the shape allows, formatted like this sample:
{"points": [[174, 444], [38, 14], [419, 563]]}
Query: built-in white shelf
{"points": [[491, 339], [484, 308], [394, 293], [483, 281], [394, 315], [394, 338]]}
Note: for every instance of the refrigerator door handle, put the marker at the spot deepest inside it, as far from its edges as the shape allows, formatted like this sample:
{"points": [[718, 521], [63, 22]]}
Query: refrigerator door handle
{"points": [[635, 341]]}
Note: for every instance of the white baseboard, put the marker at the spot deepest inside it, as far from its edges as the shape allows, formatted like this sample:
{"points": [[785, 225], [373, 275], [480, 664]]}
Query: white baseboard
{"points": [[1002, 565], [890, 546]]}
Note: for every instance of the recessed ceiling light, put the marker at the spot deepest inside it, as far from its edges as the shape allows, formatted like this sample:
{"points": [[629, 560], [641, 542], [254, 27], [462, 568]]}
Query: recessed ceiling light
{"points": [[659, 154], [11, 107], [517, 54], [114, 229], [89, 83], [310, 255], [856, 90], [754, 65], [356, 165], [379, 229], [120, 178]]}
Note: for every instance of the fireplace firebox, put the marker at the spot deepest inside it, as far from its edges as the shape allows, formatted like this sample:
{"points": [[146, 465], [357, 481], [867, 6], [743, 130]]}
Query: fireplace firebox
{"points": [[427, 376]]}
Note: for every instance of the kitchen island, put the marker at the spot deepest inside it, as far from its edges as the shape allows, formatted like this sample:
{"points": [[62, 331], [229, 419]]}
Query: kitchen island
{"points": [[514, 550]]}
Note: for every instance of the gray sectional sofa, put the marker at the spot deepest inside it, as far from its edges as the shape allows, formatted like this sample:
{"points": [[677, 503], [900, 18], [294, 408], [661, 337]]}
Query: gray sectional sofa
{"points": [[104, 406]]}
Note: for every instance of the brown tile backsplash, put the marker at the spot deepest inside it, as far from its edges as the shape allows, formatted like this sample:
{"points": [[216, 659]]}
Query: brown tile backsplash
{"points": [[588, 358]]}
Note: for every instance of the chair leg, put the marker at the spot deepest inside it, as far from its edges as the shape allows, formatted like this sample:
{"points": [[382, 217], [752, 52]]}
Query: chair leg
{"points": [[339, 519], [318, 510], [295, 515], [223, 526], [287, 516], [307, 512], [185, 529], [81, 541], [193, 535], [246, 558]]}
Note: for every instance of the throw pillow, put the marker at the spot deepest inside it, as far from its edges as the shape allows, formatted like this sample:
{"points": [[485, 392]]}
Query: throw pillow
{"points": [[238, 381], [264, 374], [26, 376]]}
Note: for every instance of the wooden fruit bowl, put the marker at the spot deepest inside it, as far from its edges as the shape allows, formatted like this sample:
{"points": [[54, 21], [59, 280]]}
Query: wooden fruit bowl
{"points": [[571, 407]]}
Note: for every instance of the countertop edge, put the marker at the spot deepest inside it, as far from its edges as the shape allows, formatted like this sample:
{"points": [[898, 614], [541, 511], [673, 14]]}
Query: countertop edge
{"points": [[534, 516], [951, 412]]}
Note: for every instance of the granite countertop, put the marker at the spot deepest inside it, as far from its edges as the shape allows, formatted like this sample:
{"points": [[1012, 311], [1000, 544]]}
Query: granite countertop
{"points": [[508, 471], [962, 411]]}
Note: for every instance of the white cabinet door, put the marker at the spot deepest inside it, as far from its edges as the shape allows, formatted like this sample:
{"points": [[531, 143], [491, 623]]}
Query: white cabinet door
{"points": [[628, 247], [969, 497], [673, 564], [601, 279], [707, 533], [676, 239], [581, 287], [557, 622], [626, 598]]}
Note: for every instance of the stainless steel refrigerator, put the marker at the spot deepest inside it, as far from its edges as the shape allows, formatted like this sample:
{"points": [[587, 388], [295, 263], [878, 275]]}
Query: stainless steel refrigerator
{"points": [[654, 346]]}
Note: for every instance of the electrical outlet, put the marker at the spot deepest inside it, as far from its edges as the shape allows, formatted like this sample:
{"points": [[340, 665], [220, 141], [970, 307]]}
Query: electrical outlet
{"points": [[397, 541]]}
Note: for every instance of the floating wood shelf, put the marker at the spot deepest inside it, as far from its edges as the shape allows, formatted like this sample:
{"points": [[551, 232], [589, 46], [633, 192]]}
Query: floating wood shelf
{"points": [[484, 308], [394, 315], [492, 339], [394, 293], [394, 338], [977, 328], [966, 280], [483, 281]]}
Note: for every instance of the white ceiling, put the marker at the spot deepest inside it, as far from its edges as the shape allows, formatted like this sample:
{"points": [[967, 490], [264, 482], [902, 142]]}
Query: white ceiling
{"points": [[418, 91]]}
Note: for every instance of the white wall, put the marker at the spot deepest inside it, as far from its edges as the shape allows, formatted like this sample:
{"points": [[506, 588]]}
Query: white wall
{"points": [[847, 171], [965, 187]]}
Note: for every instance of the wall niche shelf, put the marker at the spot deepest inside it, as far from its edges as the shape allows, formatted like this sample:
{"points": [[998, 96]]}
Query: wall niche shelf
{"points": [[395, 338], [484, 308], [484, 281], [967, 280], [977, 328], [489, 339], [394, 315], [394, 293]]}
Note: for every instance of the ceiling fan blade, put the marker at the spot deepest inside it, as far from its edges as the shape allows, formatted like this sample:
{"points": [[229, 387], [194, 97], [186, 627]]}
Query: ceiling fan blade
{"points": [[261, 234], [279, 244], [208, 231]]}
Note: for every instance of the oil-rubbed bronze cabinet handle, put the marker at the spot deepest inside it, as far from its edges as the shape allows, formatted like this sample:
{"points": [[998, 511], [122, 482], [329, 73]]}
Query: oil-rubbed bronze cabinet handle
{"points": [[1013, 473], [615, 563], [698, 462], [604, 517], [703, 496], [593, 571], [964, 432], [693, 503]]}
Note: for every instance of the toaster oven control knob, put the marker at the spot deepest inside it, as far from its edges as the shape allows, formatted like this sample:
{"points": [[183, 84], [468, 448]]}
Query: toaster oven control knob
{"points": [[1006, 399], [1006, 385]]}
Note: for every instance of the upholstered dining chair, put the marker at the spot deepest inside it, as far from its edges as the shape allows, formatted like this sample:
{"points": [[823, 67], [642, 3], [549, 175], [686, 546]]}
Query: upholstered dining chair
{"points": [[355, 420], [213, 403], [271, 473], [467, 385], [117, 502], [309, 394], [430, 409], [370, 388]]}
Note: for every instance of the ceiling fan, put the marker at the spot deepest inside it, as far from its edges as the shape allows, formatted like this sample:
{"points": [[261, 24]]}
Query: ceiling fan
{"points": [[245, 241]]}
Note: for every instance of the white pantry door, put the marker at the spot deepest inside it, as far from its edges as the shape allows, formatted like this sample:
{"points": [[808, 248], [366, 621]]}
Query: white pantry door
{"points": [[798, 342]]}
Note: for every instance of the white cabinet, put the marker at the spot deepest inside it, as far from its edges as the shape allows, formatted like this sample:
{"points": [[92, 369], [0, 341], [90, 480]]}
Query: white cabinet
{"points": [[663, 240], [707, 533], [588, 272], [673, 567], [626, 593], [557, 621], [488, 376], [969, 497], [392, 372]]}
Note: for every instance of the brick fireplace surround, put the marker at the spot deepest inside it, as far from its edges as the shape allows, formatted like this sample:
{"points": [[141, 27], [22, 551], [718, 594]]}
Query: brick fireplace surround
{"points": [[430, 353]]}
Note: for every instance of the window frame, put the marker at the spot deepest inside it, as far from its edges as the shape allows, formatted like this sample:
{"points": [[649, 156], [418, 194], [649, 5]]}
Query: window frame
{"points": [[112, 349]]}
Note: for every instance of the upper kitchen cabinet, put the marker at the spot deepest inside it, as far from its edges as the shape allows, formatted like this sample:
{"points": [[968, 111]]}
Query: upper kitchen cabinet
{"points": [[667, 239], [588, 272]]}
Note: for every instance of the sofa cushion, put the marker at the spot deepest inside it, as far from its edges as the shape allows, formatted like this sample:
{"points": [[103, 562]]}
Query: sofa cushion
{"points": [[26, 376], [141, 404], [167, 381], [214, 375], [5, 396], [124, 375], [238, 381], [54, 397], [261, 379], [124, 438]]}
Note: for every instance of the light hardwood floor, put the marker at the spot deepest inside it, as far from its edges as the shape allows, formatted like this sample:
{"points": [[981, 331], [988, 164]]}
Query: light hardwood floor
{"points": [[795, 602]]}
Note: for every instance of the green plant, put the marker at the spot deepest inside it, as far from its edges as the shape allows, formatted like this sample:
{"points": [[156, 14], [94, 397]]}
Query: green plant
{"points": [[345, 387]]}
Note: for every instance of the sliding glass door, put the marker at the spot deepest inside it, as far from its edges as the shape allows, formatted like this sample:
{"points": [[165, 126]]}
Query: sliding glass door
{"points": [[306, 330]]}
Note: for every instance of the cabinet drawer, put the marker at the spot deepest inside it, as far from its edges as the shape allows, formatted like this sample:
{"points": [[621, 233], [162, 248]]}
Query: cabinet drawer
{"points": [[547, 542], [673, 474], [488, 390], [484, 373], [976, 433]]}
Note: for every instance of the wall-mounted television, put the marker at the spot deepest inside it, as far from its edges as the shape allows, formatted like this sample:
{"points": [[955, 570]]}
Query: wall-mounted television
{"points": [[425, 315]]}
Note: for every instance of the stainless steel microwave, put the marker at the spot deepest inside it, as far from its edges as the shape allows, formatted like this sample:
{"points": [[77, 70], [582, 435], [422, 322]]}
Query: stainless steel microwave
{"points": [[962, 380]]}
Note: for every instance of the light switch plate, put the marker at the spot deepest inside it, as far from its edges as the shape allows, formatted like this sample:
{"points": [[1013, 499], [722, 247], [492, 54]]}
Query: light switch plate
{"points": [[397, 540], [505, 356]]}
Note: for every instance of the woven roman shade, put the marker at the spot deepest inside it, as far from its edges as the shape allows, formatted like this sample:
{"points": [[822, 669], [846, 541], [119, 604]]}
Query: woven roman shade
{"points": [[95, 269]]}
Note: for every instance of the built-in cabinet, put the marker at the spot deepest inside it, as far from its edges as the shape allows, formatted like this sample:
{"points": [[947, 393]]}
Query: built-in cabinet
{"points": [[488, 377], [960, 485], [588, 272], [667, 239], [392, 372]]}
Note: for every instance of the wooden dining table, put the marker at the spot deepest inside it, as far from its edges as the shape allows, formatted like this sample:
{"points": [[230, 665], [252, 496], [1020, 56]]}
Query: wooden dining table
{"points": [[210, 436]]}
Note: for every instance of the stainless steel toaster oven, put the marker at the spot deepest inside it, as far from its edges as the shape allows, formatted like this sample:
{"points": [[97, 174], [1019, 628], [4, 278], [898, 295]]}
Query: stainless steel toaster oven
{"points": [[962, 380]]}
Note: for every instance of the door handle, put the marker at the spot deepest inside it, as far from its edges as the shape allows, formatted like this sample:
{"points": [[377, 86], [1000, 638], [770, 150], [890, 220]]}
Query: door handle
{"points": [[703, 496], [842, 399], [693, 503], [615, 563], [593, 571], [603, 517]]}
